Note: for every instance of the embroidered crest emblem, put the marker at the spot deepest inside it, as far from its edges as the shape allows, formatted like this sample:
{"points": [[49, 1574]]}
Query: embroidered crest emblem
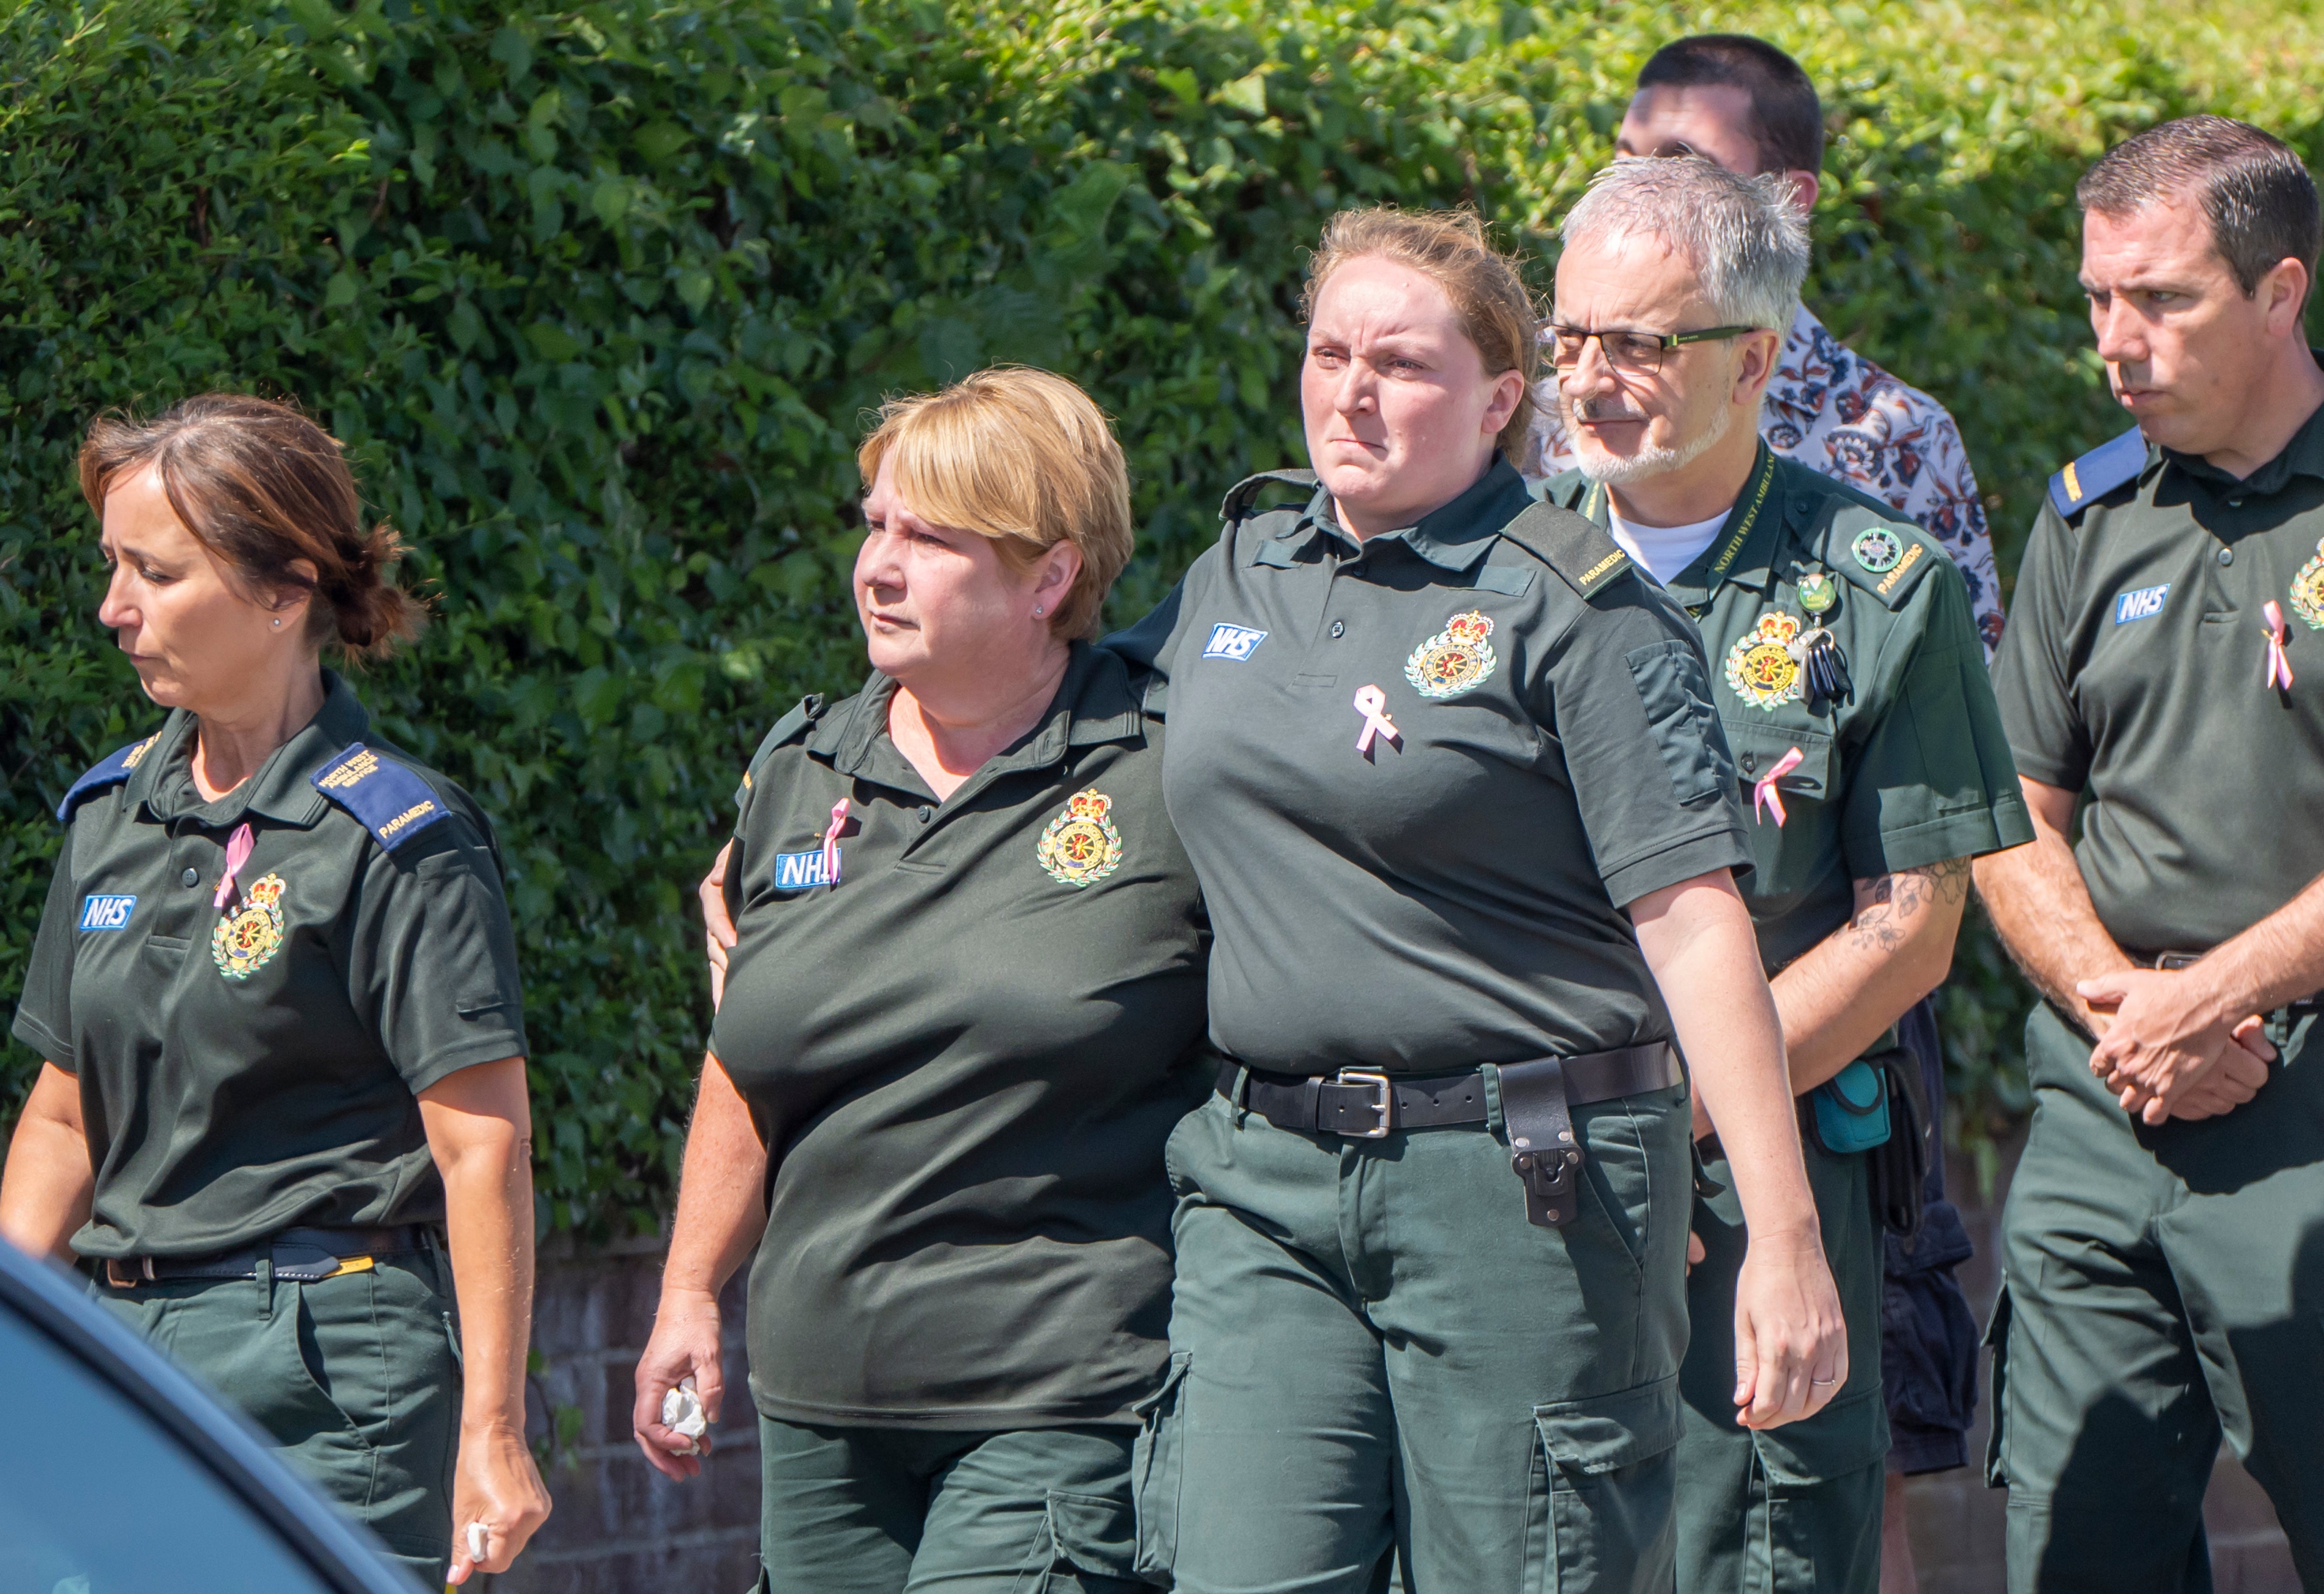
{"points": [[1877, 549], [2308, 590], [1760, 666], [1455, 660], [1817, 592], [247, 939], [1082, 847]]}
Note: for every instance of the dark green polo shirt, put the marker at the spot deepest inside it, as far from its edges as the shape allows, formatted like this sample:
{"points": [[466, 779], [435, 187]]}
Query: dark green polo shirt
{"points": [[964, 1059], [2134, 670], [1453, 897], [248, 1068], [1911, 770]]}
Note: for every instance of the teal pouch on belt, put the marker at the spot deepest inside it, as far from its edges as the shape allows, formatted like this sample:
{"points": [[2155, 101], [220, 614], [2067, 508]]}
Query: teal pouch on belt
{"points": [[1852, 1109]]}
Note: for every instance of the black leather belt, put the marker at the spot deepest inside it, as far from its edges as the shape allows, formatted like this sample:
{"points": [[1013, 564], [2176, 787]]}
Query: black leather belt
{"points": [[2171, 962], [302, 1255], [1366, 1104]]}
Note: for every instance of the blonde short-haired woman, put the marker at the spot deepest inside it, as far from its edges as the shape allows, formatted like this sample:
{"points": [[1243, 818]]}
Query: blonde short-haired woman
{"points": [[963, 1013]]}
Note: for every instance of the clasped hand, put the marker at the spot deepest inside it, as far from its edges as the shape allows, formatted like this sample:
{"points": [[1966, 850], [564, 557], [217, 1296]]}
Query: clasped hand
{"points": [[2165, 1050]]}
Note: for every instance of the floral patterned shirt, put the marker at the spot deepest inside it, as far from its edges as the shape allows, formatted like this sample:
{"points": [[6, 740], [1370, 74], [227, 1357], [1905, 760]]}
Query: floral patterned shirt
{"points": [[1837, 412]]}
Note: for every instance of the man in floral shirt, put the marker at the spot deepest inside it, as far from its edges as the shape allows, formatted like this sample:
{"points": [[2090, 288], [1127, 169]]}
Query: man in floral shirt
{"points": [[1828, 407], [1747, 106]]}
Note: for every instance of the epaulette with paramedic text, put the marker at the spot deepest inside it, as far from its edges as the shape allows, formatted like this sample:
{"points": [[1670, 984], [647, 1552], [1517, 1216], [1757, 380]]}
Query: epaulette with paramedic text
{"points": [[1589, 561], [392, 802], [2098, 473], [113, 771]]}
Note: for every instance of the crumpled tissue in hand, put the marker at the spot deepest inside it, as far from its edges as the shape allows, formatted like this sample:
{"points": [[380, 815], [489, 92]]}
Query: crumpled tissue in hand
{"points": [[682, 1414]]}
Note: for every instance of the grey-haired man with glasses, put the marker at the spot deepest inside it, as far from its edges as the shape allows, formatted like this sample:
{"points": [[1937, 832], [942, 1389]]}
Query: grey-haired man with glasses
{"points": [[1846, 671]]}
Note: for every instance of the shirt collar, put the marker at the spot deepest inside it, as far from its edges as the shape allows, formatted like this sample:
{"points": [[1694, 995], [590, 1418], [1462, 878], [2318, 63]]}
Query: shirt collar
{"points": [[1093, 705], [1453, 538], [2301, 456], [1748, 539], [279, 790]]}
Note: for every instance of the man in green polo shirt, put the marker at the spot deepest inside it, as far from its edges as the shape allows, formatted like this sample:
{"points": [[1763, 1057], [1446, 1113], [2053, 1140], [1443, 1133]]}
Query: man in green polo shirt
{"points": [[2163, 1243], [1850, 685]]}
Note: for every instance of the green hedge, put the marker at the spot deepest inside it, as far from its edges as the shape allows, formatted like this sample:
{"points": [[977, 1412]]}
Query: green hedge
{"points": [[598, 296]]}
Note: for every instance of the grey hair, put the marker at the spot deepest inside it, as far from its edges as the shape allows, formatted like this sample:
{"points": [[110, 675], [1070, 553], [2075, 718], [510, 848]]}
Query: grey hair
{"points": [[1744, 235]]}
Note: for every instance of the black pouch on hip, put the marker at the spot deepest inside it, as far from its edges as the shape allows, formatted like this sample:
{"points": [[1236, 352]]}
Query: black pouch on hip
{"points": [[1544, 1148]]}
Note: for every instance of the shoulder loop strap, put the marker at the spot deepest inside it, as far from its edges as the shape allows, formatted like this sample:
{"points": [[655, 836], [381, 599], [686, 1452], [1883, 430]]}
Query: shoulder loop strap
{"points": [[113, 771], [394, 803], [1586, 557], [790, 728], [1244, 493], [2098, 473]]}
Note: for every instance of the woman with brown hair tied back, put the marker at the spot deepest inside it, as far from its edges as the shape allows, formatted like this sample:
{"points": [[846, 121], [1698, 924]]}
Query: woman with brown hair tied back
{"points": [[284, 1117]]}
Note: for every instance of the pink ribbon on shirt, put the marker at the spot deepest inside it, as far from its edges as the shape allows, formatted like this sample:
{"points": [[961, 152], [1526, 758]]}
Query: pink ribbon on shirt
{"points": [[1765, 797], [830, 842], [1371, 702], [237, 853], [2279, 668]]}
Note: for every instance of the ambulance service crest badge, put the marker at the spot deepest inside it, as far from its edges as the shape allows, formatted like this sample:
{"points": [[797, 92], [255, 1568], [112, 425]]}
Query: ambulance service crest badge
{"points": [[1082, 847], [247, 939], [1455, 660], [2308, 590], [1760, 666], [1877, 549]]}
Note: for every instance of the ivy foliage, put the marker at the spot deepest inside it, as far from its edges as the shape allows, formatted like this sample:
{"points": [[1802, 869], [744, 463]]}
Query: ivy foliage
{"points": [[598, 296]]}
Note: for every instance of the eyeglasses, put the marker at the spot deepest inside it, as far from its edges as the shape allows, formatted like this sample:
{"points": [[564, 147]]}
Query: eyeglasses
{"points": [[1638, 354]]}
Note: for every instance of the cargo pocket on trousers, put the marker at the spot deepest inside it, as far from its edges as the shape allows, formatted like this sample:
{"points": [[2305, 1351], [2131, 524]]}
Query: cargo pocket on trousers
{"points": [[1157, 1463], [1997, 1340], [1823, 1478], [1605, 1493], [1094, 1534]]}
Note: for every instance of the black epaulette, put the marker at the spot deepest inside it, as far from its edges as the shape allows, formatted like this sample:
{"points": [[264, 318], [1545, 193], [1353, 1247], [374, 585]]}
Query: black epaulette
{"points": [[2098, 472], [390, 801], [113, 771], [1244, 493], [790, 728], [1586, 559]]}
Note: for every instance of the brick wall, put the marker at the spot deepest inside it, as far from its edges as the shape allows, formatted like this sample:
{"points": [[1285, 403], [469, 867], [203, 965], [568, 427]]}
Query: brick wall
{"points": [[621, 1528]]}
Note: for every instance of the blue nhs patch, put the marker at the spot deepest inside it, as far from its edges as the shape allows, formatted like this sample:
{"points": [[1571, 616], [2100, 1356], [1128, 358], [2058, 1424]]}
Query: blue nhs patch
{"points": [[105, 913], [1232, 641], [2143, 604], [798, 871]]}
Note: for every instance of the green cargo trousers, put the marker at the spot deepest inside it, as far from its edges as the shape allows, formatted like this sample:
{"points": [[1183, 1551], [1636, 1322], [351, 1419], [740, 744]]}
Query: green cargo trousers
{"points": [[356, 1378], [2160, 1284], [1373, 1351], [1795, 1509], [886, 1510]]}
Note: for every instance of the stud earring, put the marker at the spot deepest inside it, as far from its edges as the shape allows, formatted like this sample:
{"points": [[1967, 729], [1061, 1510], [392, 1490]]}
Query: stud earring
{"points": [[1038, 611], [277, 625]]}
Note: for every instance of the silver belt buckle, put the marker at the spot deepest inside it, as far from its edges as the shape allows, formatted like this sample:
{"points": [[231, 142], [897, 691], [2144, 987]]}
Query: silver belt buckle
{"points": [[1385, 1106]]}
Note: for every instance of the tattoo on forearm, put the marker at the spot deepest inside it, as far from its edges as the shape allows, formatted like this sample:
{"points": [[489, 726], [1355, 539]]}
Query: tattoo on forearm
{"points": [[1879, 925]]}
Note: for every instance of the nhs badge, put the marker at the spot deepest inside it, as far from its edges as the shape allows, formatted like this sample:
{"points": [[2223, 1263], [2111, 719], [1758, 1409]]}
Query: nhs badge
{"points": [[2143, 604], [1232, 641], [106, 913], [798, 871]]}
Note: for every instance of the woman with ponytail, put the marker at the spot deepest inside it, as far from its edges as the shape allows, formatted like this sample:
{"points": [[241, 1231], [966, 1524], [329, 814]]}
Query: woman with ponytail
{"points": [[282, 1120]]}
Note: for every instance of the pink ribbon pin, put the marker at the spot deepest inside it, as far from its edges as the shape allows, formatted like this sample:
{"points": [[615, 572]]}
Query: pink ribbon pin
{"points": [[2279, 668], [1371, 702], [830, 842], [237, 853], [1765, 797]]}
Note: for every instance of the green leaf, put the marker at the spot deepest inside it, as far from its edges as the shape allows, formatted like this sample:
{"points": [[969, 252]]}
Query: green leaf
{"points": [[553, 343], [340, 292], [1246, 94], [513, 50]]}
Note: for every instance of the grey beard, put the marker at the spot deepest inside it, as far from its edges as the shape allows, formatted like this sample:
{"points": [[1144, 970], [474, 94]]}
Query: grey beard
{"points": [[1648, 462]]}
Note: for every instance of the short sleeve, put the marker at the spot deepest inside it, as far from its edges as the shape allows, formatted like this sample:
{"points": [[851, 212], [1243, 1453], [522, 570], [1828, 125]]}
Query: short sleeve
{"points": [[433, 960], [1151, 645], [2033, 683], [44, 1015], [1933, 780], [1649, 767]]}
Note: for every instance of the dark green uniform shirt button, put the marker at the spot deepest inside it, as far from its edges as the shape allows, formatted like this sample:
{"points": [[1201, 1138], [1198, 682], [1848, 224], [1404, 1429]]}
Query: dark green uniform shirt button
{"points": [[1751, 762], [926, 813], [2226, 556], [1339, 628], [190, 878]]}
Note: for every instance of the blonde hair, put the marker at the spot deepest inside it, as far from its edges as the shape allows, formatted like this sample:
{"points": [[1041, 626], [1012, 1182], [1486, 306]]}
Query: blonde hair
{"points": [[1451, 249], [1023, 457]]}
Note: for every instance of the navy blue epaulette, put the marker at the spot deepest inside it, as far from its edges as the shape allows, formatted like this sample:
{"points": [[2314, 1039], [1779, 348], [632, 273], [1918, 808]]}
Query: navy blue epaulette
{"points": [[2098, 473], [113, 771], [394, 803]]}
